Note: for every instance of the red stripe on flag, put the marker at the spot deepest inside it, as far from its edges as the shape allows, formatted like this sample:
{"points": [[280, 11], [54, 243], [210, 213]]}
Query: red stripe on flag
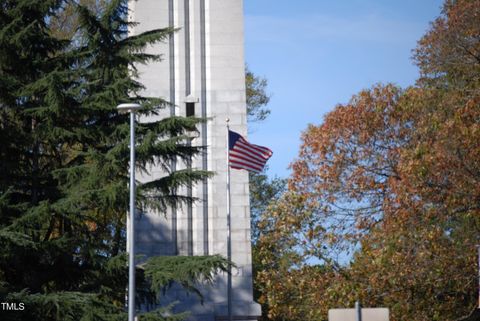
{"points": [[262, 150], [243, 162], [250, 150], [245, 156], [243, 165]]}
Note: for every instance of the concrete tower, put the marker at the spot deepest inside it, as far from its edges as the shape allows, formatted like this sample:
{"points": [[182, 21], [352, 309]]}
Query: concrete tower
{"points": [[202, 74]]}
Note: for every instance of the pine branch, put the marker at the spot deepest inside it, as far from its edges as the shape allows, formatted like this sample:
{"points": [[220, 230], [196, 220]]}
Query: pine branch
{"points": [[188, 271]]}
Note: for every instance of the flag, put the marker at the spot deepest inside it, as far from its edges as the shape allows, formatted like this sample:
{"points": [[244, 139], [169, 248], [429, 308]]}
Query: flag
{"points": [[243, 155]]}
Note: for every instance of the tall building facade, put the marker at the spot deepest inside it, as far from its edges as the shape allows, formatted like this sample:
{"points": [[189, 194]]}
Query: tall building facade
{"points": [[202, 74]]}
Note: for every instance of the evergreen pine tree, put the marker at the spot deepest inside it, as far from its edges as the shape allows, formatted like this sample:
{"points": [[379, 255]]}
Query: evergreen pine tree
{"points": [[64, 167]]}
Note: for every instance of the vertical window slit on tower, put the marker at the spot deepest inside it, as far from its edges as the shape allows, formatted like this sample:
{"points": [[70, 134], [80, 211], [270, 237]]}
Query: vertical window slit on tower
{"points": [[190, 110]]}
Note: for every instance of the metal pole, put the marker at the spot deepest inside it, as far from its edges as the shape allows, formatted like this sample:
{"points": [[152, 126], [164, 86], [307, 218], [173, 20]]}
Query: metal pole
{"points": [[229, 239], [131, 227], [358, 310], [478, 251]]}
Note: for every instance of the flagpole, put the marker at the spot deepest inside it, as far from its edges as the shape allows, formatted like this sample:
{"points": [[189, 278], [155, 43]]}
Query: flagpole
{"points": [[229, 238]]}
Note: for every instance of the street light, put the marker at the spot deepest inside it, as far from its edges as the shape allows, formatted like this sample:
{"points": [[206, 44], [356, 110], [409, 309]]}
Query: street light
{"points": [[131, 108]]}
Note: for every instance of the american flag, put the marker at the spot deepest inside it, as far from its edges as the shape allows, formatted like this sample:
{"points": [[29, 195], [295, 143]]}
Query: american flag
{"points": [[243, 155]]}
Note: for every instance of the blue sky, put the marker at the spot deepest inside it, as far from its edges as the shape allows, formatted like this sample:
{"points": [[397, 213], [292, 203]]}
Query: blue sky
{"points": [[318, 53]]}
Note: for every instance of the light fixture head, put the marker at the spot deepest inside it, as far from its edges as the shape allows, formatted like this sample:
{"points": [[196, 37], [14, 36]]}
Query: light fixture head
{"points": [[128, 108]]}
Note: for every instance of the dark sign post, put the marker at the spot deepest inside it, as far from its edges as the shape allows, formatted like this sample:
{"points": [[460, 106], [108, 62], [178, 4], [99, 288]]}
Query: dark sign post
{"points": [[358, 310], [478, 249]]}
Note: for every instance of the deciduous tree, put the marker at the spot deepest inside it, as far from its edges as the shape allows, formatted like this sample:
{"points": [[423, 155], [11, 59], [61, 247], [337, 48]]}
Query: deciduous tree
{"points": [[383, 200]]}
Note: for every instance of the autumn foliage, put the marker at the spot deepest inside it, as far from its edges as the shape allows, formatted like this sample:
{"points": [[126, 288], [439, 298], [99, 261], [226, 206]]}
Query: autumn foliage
{"points": [[383, 204]]}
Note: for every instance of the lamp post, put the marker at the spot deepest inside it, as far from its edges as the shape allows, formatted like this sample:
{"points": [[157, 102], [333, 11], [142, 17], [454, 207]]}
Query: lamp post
{"points": [[131, 108]]}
